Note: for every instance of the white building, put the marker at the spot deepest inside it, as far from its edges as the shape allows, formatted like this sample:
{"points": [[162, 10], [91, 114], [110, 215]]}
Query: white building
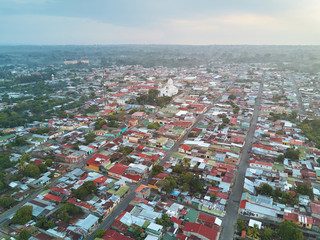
{"points": [[168, 90]]}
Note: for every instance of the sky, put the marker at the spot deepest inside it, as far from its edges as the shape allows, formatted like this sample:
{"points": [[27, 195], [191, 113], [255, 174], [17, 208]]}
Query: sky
{"points": [[187, 22]]}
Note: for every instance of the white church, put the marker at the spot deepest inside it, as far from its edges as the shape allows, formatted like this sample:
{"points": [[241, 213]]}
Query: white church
{"points": [[167, 90]]}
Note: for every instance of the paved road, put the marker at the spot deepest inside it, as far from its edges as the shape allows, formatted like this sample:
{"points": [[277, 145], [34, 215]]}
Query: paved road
{"points": [[229, 221], [301, 106]]}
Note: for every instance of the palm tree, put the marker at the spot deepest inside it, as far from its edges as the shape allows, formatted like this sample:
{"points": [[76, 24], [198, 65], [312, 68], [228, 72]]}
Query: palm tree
{"points": [[21, 165], [254, 232], [186, 162]]}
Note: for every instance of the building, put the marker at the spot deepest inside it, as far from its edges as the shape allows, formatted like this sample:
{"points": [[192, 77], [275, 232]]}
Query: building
{"points": [[168, 90]]}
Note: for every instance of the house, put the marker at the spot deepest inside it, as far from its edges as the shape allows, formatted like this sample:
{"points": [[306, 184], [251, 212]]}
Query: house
{"points": [[117, 170], [87, 223], [300, 220], [200, 231], [143, 191], [111, 234], [139, 115], [98, 162]]}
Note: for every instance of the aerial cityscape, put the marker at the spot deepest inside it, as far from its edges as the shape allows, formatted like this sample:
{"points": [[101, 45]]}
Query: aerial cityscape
{"points": [[130, 120]]}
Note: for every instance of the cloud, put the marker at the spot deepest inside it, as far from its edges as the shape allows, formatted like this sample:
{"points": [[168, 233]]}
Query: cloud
{"points": [[35, 29], [296, 25]]}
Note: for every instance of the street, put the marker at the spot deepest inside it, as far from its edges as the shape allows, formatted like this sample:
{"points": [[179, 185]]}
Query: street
{"points": [[230, 219]]}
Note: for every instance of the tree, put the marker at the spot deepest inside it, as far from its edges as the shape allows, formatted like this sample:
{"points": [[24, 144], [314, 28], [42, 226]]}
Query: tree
{"points": [[267, 234], [89, 138], [288, 230], [186, 162], [265, 189], [23, 215], [100, 233], [179, 169], [26, 157], [156, 170], [213, 197], [24, 235], [6, 202], [292, 154], [254, 232], [165, 221], [280, 158], [232, 97], [241, 226], [32, 170], [318, 160], [304, 189], [43, 167], [49, 162]]}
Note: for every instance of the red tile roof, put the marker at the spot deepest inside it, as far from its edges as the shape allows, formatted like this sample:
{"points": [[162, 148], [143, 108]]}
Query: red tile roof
{"points": [[315, 208], [52, 197], [206, 218], [114, 235], [200, 229], [118, 169]]}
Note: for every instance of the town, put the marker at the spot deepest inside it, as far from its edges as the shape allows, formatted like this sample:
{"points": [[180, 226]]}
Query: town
{"points": [[213, 151]]}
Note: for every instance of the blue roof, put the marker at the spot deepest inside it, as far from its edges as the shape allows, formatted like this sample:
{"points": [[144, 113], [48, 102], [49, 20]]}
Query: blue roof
{"points": [[175, 193]]}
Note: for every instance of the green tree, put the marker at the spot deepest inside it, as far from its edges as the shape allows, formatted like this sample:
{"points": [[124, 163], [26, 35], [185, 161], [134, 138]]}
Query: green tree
{"points": [[99, 233], [90, 137], [43, 167], [24, 235], [265, 189], [23, 215], [232, 97], [156, 170], [6, 202], [288, 230], [280, 158], [213, 197], [179, 169], [49, 162], [292, 154], [267, 234], [165, 221], [241, 226], [32, 170], [254, 232], [304, 189]]}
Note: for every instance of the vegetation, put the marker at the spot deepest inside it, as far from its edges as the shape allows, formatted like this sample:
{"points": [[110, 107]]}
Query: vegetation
{"points": [[126, 150], [311, 129], [99, 123], [156, 170], [90, 137], [165, 221], [232, 97], [84, 190], [6, 201], [280, 158], [5, 161], [41, 131], [304, 189], [67, 210], [288, 230], [292, 154], [283, 197], [23, 215], [154, 125], [24, 235], [44, 223], [99, 233], [32, 170], [152, 99]]}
